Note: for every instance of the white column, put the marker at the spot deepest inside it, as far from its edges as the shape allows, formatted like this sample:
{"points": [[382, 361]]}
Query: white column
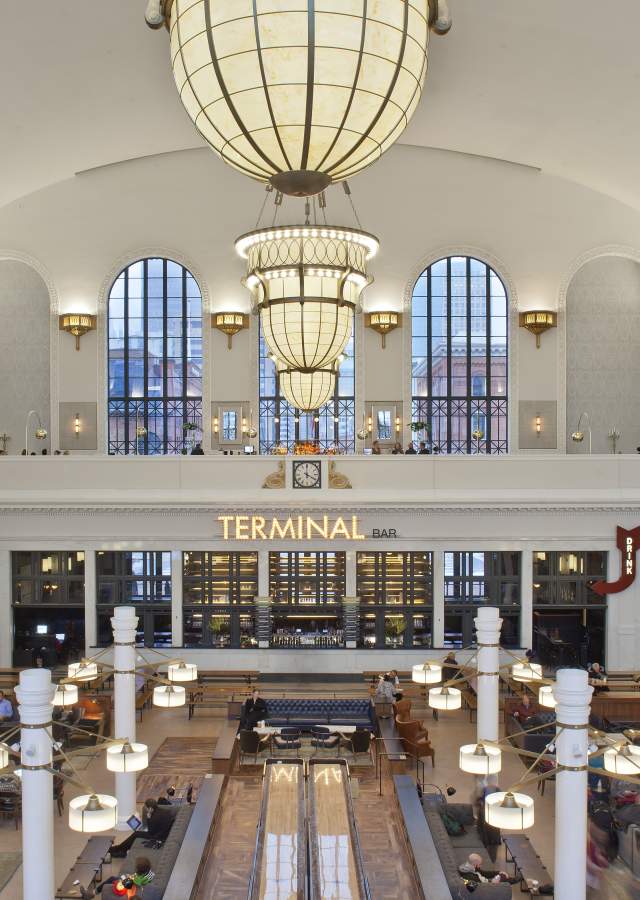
{"points": [[35, 696], [263, 573], [124, 623], [573, 696], [351, 574], [177, 636], [438, 598], [6, 629], [526, 600], [90, 602], [488, 625]]}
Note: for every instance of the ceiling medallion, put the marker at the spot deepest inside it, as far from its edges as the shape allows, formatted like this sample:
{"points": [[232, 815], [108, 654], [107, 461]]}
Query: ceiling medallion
{"points": [[300, 98]]}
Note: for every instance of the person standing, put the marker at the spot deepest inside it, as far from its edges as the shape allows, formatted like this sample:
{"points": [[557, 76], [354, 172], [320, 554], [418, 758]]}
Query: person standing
{"points": [[254, 710]]}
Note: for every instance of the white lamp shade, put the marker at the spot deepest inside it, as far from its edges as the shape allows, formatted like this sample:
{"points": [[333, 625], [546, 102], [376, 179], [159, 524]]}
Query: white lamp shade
{"points": [[92, 813], [624, 761], [4, 756], [426, 673], [307, 391], [445, 698], [306, 281], [289, 88], [127, 757], [169, 696], [182, 672], [509, 811], [526, 672], [65, 695], [546, 697], [83, 671], [478, 759]]}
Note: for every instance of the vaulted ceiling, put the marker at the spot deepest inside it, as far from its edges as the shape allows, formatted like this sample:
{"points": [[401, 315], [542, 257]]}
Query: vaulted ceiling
{"points": [[553, 84]]}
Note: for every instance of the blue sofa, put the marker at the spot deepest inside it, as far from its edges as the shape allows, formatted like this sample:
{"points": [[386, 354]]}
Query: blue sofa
{"points": [[305, 713]]}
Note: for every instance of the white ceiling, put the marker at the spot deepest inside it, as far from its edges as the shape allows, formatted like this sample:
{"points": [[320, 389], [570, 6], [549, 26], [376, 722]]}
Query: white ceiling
{"points": [[546, 83]]}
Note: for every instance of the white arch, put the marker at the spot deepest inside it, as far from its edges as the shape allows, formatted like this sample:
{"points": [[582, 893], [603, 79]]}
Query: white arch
{"points": [[103, 298], [500, 269]]}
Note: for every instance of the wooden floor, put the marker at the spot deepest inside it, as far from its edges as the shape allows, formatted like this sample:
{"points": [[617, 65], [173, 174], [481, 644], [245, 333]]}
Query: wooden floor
{"points": [[178, 762]]}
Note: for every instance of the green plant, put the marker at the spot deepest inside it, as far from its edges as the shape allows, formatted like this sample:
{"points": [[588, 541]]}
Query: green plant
{"points": [[190, 426], [218, 625], [420, 426]]}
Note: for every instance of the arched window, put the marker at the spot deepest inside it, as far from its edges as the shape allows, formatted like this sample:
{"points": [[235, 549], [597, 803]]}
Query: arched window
{"points": [[460, 357], [332, 427], [155, 359]]}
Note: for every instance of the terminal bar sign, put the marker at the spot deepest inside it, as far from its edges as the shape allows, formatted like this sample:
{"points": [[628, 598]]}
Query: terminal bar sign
{"points": [[628, 542], [294, 528]]}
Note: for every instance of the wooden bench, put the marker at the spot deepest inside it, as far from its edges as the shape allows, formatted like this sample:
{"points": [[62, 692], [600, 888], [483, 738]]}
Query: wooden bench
{"points": [[526, 862], [188, 868], [248, 676], [224, 756], [427, 866], [87, 868]]}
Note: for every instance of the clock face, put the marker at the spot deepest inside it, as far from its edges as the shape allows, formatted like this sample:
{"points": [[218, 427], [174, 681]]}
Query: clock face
{"points": [[306, 475]]}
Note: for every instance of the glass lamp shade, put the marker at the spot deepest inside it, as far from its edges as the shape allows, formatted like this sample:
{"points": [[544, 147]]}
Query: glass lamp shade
{"points": [[65, 695], [92, 813], [509, 811], [307, 391], [4, 756], [445, 698], [169, 696], [623, 761], [526, 672], [127, 757], [306, 281], [182, 672], [83, 671], [426, 673], [545, 696], [477, 759], [295, 93]]}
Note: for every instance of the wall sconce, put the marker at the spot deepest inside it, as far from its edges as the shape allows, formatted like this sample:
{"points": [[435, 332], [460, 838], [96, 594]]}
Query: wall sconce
{"points": [[40, 432], [370, 424], [76, 425], [216, 425], [398, 425], [230, 323], [538, 424], [383, 323], [77, 324], [578, 436], [537, 321]]}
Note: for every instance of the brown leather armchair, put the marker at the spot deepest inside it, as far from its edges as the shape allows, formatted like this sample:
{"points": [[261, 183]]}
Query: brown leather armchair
{"points": [[415, 739], [402, 709]]}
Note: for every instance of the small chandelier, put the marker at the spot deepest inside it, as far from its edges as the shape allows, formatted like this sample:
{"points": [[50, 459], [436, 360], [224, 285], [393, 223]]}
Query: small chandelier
{"points": [[182, 672], [83, 671], [479, 759], [526, 672], [169, 696], [306, 281], [509, 811], [307, 391], [546, 696], [65, 695], [296, 94], [428, 673], [623, 760], [445, 698], [126, 757], [92, 813]]}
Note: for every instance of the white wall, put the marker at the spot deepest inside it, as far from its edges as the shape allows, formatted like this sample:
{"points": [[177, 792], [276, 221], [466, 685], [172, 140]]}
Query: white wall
{"points": [[421, 203]]}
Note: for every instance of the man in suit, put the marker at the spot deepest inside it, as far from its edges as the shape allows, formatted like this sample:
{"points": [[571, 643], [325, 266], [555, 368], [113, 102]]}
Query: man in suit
{"points": [[159, 820], [254, 710]]}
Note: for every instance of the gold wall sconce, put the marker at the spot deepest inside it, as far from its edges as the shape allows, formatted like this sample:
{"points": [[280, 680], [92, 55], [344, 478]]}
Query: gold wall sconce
{"points": [[537, 321], [216, 425], [77, 324], [77, 425], [398, 425], [538, 425], [229, 323], [383, 323]]}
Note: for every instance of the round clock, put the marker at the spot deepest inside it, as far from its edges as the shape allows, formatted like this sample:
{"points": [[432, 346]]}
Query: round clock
{"points": [[306, 475]]}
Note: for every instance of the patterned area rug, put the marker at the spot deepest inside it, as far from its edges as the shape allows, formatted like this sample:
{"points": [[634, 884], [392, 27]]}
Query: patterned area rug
{"points": [[178, 762], [9, 864]]}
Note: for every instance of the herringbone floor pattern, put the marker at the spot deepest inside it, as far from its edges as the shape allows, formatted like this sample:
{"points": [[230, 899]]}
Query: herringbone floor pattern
{"points": [[179, 762]]}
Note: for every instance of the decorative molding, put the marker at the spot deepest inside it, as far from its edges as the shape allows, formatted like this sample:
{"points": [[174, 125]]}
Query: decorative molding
{"points": [[103, 297], [621, 250], [54, 312], [499, 267], [277, 479], [337, 480]]}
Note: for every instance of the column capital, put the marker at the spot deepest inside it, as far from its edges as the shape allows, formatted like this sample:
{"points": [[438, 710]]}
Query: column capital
{"points": [[124, 623], [572, 692], [35, 696]]}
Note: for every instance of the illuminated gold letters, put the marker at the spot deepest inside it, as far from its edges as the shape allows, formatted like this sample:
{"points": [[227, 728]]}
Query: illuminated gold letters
{"points": [[300, 528]]}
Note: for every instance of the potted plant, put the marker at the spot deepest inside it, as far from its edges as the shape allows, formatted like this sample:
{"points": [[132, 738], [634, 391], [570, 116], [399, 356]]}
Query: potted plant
{"points": [[188, 432]]}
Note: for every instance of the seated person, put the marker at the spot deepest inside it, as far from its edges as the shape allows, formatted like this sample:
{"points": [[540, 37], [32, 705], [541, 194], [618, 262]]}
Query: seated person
{"points": [[118, 885], [6, 708], [159, 821], [169, 797], [597, 677], [254, 710], [473, 870], [525, 709], [384, 690]]}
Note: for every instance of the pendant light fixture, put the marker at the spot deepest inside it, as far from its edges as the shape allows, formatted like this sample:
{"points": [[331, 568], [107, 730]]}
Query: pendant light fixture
{"points": [[546, 697], [427, 673], [526, 672], [509, 811], [307, 391], [92, 813], [126, 757], [300, 94], [182, 671], [169, 696], [83, 671], [480, 759], [445, 698], [65, 695]]}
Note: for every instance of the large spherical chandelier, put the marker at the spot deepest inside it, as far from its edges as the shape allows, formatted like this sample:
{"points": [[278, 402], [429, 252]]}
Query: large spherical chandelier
{"points": [[300, 94], [306, 282], [307, 391]]}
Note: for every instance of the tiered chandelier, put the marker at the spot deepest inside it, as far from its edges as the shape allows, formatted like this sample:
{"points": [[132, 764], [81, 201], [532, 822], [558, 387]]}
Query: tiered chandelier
{"points": [[306, 282], [300, 94]]}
